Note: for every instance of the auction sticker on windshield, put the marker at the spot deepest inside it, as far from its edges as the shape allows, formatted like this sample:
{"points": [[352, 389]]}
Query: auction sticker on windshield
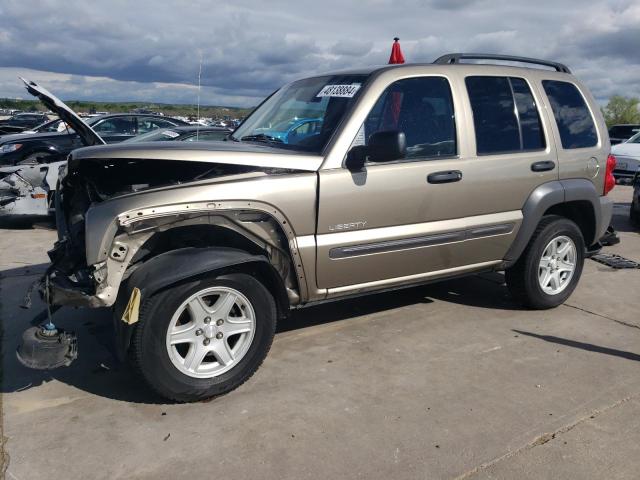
{"points": [[345, 91]]}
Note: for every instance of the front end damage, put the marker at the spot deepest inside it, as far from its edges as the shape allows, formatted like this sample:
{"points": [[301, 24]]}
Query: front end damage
{"points": [[116, 216], [135, 236]]}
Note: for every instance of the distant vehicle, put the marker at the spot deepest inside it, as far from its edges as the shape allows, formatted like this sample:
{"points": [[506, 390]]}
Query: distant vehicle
{"points": [[634, 211], [628, 159], [293, 131], [22, 121], [621, 133], [192, 133], [54, 146], [233, 124], [55, 125], [29, 180]]}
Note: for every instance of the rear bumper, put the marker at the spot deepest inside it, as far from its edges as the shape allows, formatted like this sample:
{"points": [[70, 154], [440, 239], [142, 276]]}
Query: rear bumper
{"points": [[606, 212]]}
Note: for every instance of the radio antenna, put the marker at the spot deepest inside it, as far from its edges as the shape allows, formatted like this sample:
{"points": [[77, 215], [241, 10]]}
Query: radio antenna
{"points": [[198, 114]]}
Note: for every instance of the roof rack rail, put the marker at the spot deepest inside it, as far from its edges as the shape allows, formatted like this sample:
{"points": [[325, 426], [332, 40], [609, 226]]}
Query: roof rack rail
{"points": [[453, 58]]}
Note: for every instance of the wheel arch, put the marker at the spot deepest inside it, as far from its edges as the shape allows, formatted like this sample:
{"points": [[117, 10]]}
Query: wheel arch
{"points": [[575, 199], [188, 264]]}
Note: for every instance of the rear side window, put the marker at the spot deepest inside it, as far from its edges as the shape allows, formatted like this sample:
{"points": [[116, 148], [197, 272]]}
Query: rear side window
{"points": [[573, 118], [505, 115]]}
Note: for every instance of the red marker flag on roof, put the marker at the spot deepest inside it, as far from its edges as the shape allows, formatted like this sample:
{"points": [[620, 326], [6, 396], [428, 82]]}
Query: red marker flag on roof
{"points": [[392, 115], [396, 52]]}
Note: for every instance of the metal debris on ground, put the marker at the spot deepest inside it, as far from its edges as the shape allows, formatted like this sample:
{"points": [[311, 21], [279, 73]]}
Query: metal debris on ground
{"points": [[614, 260]]}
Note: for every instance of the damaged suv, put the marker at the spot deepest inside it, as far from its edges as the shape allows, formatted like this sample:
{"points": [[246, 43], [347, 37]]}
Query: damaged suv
{"points": [[412, 174]]}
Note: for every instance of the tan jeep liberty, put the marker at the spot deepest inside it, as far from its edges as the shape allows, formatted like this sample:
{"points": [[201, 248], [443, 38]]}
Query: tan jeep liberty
{"points": [[337, 185]]}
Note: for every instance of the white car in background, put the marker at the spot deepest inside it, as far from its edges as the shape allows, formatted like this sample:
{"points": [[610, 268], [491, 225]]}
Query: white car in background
{"points": [[627, 159]]}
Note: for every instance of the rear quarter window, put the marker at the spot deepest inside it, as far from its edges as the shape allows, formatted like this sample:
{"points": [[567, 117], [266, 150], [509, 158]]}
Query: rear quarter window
{"points": [[505, 115], [573, 118]]}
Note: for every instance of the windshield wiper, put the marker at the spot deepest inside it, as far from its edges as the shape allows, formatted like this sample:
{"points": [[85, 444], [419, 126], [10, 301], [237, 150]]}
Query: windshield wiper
{"points": [[261, 137]]}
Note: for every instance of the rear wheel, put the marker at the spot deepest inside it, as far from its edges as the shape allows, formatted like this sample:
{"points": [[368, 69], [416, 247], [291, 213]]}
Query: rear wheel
{"points": [[549, 269], [204, 338]]}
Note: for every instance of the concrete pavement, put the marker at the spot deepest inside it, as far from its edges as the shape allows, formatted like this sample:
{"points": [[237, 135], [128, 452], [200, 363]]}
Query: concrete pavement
{"points": [[451, 380]]}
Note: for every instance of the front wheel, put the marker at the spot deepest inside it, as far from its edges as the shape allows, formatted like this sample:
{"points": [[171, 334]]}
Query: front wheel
{"points": [[549, 269], [205, 338]]}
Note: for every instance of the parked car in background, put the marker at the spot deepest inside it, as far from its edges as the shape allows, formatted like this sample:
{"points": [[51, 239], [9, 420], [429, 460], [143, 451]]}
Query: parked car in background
{"points": [[621, 133], [55, 125], [27, 190], [192, 133], [415, 173], [292, 131], [22, 121], [627, 159], [634, 211], [52, 146]]}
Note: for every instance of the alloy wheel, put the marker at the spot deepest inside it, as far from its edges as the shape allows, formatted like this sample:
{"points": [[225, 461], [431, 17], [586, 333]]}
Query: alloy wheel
{"points": [[210, 332]]}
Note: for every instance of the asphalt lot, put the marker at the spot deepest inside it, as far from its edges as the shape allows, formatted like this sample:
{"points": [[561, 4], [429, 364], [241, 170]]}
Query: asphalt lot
{"points": [[451, 380]]}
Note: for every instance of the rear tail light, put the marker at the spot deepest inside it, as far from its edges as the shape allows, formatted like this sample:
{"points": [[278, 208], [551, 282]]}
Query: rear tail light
{"points": [[609, 179], [38, 195]]}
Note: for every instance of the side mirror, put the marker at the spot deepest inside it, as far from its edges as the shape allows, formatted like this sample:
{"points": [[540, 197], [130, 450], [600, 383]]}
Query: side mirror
{"points": [[386, 146]]}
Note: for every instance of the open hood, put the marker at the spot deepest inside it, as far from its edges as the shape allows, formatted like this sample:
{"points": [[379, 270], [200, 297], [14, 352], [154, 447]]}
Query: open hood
{"points": [[87, 135]]}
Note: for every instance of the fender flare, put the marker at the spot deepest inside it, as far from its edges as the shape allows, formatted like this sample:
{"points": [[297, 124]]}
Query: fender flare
{"points": [[548, 195], [176, 266]]}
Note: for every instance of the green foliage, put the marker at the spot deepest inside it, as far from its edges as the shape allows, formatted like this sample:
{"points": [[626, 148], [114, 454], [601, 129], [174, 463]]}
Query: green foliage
{"points": [[117, 107], [621, 110]]}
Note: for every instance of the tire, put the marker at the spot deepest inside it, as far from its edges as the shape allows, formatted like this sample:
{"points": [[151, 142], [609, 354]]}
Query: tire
{"points": [[169, 370], [634, 214], [526, 277]]}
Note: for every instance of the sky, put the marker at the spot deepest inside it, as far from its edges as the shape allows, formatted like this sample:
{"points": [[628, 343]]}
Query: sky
{"points": [[150, 51]]}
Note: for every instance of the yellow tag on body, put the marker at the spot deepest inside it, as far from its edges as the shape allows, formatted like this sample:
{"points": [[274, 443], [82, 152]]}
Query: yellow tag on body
{"points": [[130, 315]]}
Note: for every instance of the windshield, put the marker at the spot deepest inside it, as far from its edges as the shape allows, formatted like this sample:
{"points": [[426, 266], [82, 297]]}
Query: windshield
{"points": [[634, 139], [160, 135], [302, 115], [92, 120]]}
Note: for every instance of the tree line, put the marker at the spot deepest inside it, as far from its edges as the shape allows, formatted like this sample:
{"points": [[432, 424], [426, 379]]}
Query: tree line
{"points": [[620, 110], [116, 107]]}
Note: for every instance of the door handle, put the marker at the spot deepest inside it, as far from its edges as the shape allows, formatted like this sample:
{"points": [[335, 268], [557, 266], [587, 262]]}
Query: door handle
{"points": [[543, 166], [445, 177]]}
